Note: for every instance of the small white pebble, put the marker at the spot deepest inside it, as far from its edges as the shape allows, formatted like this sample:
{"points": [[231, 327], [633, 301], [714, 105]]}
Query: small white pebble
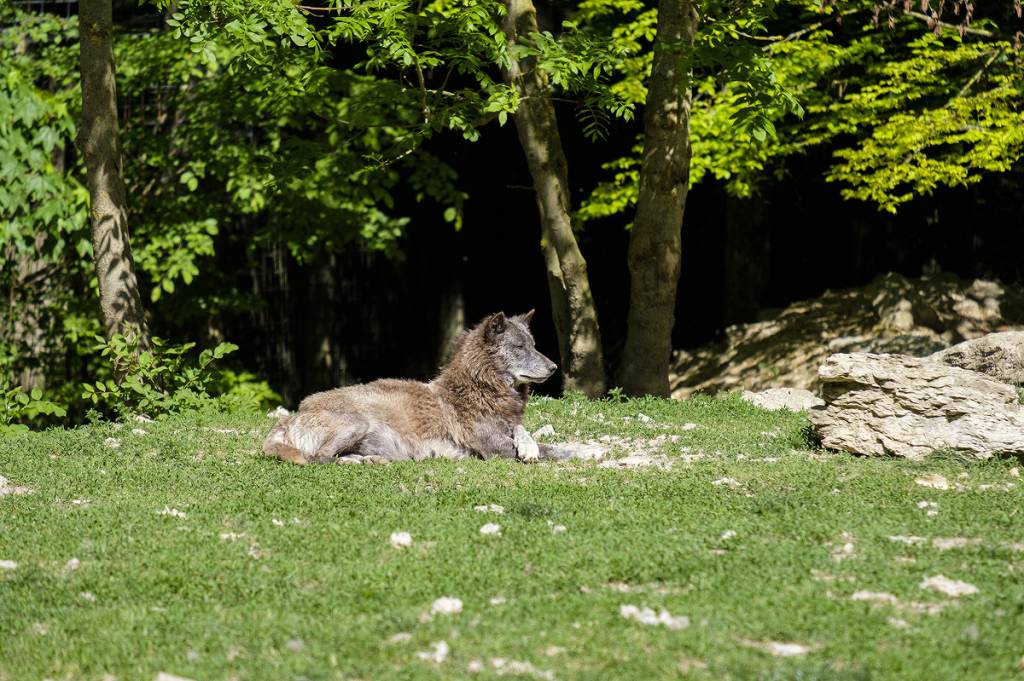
{"points": [[8, 564], [400, 637], [489, 508], [173, 512], [729, 482], [437, 655], [112, 443], [689, 426], [401, 540], [446, 605], [947, 586], [497, 600], [231, 536], [475, 667], [1015, 472], [648, 616], [558, 529], [491, 528], [277, 522], [644, 418], [72, 565], [88, 596], [933, 480], [727, 535]]}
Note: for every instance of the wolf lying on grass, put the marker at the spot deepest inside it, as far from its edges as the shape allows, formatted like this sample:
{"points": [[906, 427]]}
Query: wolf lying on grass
{"points": [[473, 408]]}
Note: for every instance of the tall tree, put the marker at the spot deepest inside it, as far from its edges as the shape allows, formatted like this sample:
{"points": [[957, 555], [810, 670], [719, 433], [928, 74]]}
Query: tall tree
{"points": [[655, 242], [120, 302], [572, 303]]}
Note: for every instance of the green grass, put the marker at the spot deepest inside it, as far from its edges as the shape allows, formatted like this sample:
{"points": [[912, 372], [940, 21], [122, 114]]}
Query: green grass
{"points": [[317, 594]]}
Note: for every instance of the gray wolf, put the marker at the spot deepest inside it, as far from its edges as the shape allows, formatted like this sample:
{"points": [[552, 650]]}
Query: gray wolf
{"points": [[473, 408]]}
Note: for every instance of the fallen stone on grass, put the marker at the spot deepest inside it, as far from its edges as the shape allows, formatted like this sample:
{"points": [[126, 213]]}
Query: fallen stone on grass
{"points": [[437, 654], [498, 600], [947, 586], [173, 512], [648, 616], [112, 443], [164, 676], [727, 535], [401, 540], [778, 648], [72, 565], [933, 480], [503, 667], [489, 508], [727, 482], [7, 488], [491, 529], [947, 543], [547, 430], [906, 539], [895, 405], [400, 637], [638, 461], [8, 565], [556, 529], [929, 507], [446, 605], [844, 548], [232, 536], [884, 598], [775, 399]]}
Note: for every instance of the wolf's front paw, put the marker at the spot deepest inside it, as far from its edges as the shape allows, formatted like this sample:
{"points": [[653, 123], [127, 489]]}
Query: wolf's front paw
{"points": [[526, 447]]}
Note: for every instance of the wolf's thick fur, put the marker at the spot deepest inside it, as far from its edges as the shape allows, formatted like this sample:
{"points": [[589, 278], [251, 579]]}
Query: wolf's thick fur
{"points": [[473, 408]]}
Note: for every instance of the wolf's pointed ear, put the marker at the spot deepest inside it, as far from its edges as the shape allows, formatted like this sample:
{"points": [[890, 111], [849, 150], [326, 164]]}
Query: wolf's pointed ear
{"points": [[526, 317], [495, 325]]}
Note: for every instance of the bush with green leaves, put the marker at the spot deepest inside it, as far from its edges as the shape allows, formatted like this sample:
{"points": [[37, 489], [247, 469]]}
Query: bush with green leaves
{"points": [[158, 380], [18, 407]]}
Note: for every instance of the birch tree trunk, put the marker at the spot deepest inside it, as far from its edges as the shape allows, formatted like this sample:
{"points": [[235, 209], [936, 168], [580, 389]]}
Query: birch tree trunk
{"points": [[655, 243], [120, 302], [579, 335]]}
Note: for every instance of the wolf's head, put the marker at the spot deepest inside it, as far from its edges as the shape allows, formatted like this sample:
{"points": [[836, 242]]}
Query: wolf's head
{"points": [[512, 346]]}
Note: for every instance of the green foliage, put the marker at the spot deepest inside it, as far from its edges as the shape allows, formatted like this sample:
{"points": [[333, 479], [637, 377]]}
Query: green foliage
{"points": [[18, 407], [157, 381], [904, 111]]}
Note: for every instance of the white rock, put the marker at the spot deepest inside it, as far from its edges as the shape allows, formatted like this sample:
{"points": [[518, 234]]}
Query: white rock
{"points": [[893, 405], [173, 512], [498, 600], [72, 565], [774, 399], [7, 488], [778, 648], [643, 418], [437, 655], [8, 565], [949, 587], [231, 536], [648, 616], [446, 605], [139, 432], [905, 539], [728, 482], [489, 508], [933, 480], [401, 540], [142, 418], [112, 443], [727, 535], [547, 430], [164, 676], [689, 426], [491, 528], [400, 637]]}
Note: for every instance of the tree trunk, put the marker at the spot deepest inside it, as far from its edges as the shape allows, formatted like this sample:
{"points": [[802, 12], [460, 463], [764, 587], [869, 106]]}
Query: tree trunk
{"points": [[579, 336], [655, 242], [120, 302]]}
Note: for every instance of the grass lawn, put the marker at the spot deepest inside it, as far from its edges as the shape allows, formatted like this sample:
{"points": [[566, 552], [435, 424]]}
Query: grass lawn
{"points": [[182, 550]]}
